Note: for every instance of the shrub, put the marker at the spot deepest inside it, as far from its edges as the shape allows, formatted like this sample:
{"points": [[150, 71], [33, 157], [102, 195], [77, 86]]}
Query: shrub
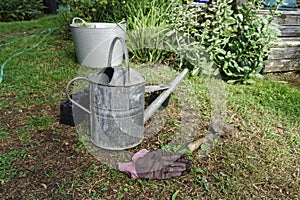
{"points": [[16, 10], [251, 47], [190, 37], [238, 43]]}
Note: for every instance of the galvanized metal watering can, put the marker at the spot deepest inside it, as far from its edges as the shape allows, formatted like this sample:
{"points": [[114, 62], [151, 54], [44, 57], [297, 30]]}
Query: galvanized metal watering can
{"points": [[117, 94]]}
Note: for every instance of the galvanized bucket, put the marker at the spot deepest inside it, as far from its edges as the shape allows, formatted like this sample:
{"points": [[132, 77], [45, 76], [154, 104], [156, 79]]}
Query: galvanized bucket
{"points": [[116, 104], [92, 42]]}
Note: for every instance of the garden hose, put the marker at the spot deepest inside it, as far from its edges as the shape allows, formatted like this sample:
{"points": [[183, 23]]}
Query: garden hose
{"points": [[46, 32], [7, 43]]}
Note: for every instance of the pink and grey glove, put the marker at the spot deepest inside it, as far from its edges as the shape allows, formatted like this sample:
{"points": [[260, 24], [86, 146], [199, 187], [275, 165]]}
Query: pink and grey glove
{"points": [[156, 165]]}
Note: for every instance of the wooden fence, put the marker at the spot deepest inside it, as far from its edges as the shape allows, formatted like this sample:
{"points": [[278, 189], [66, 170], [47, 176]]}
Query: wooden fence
{"points": [[285, 55]]}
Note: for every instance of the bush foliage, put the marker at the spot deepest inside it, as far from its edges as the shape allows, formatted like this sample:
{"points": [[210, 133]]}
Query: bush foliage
{"points": [[16, 10], [236, 40]]}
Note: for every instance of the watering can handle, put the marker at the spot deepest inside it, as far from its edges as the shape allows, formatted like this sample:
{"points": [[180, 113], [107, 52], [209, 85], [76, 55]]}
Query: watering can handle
{"points": [[68, 96], [125, 51], [75, 18]]}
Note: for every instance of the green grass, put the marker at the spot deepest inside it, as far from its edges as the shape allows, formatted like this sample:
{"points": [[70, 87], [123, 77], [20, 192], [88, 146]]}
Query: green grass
{"points": [[263, 152], [260, 159], [7, 170]]}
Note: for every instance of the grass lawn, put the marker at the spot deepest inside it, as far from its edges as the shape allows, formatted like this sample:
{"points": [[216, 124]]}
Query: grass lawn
{"points": [[42, 159]]}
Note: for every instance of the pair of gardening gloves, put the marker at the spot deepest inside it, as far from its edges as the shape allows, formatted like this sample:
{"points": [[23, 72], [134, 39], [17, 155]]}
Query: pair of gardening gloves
{"points": [[163, 165]]}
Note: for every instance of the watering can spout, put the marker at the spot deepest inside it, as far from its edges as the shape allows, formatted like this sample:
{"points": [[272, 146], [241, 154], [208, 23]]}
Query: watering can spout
{"points": [[154, 106]]}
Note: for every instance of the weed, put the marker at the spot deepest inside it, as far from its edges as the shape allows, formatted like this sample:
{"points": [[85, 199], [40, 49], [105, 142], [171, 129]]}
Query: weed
{"points": [[224, 180], [52, 174], [104, 189], [91, 172], [56, 139], [62, 188], [120, 196], [202, 182], [175, 194], [3, 135], [176, 149], [80, 144]]}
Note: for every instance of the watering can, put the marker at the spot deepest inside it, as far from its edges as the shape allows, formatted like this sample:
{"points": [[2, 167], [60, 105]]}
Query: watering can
{"points": [[117, 114]]}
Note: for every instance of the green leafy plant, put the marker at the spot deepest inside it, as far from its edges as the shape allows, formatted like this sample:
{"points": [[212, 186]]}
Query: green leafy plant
{"points": [[14, 10], [246, 53], [201, 32], [146, 22], [176, 149], [238, 43]]}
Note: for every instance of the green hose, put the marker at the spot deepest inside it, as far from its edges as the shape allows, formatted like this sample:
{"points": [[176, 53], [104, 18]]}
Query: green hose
{"points": [[48, 32]]}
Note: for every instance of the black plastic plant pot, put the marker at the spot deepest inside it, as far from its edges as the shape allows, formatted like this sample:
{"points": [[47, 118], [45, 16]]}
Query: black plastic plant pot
{"points": [[71, 114], [154, 95]]}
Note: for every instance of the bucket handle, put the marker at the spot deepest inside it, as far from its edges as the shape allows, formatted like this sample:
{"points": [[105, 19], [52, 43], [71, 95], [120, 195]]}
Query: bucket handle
{"points": [[125, 51], [68, 96], [75, 18]]}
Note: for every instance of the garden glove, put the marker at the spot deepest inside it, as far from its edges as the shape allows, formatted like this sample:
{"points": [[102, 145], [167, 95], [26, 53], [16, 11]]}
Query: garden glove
{"points": [[156, 165]]}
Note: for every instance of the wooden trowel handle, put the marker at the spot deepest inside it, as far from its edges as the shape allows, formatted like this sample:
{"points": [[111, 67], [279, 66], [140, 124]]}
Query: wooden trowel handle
{"points": [[216, 129], [196, 144]]}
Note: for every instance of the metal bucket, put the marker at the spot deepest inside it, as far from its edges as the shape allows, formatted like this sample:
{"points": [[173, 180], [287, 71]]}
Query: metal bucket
{"points": [[116, 105], [92, 42]]}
